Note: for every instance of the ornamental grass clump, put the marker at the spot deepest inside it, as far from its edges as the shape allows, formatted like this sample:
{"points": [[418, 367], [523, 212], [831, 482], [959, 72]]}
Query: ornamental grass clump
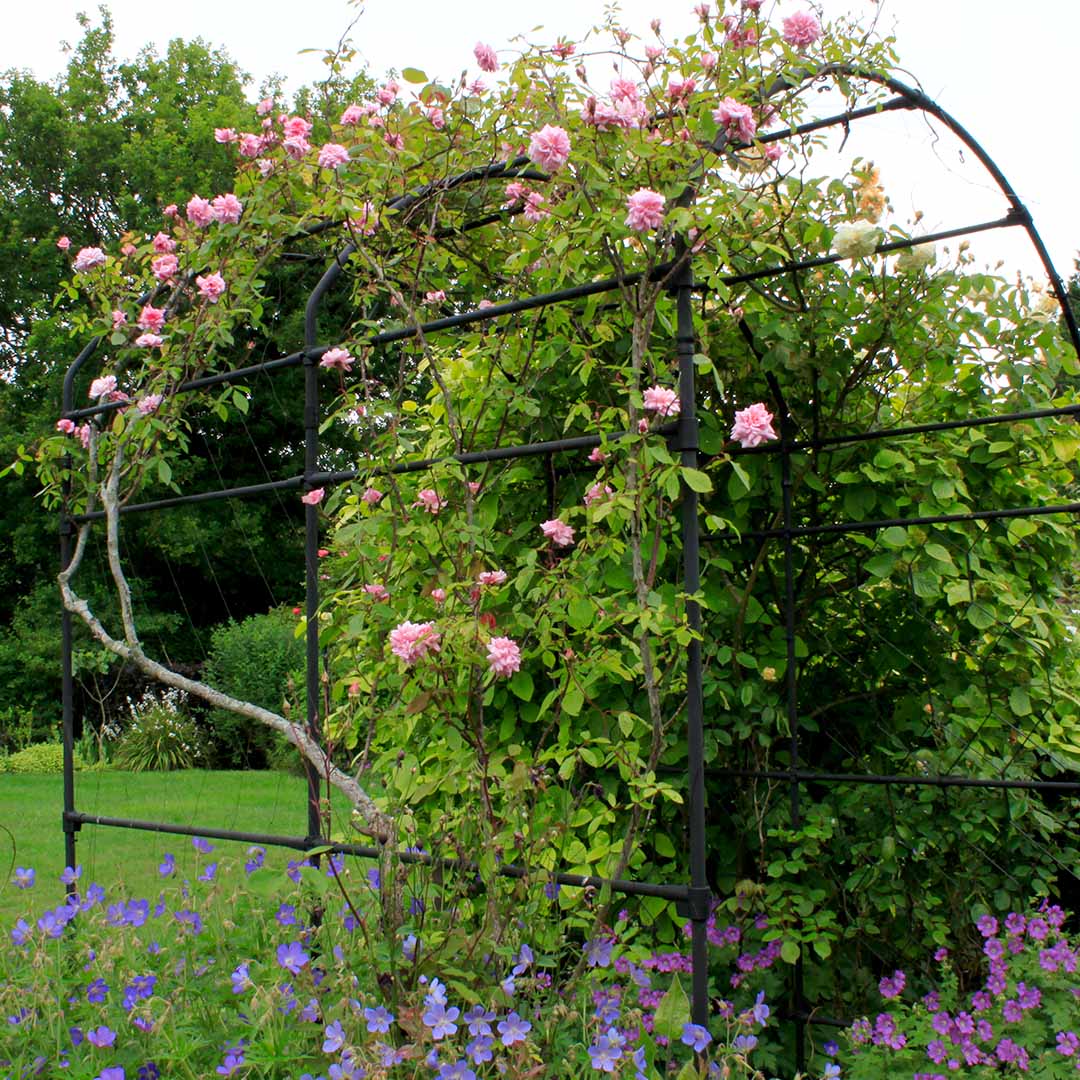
{"points": [[161, 736], [259, 972], [1024, 1018]]}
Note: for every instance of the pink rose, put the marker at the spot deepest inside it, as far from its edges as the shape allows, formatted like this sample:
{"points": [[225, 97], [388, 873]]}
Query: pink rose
{"points": [[88, 258], [702, 12], [211, 287], [337, 358], [387, 93], [477, 87], [377, 591], [623, 90], [412, 641], [680, 91], [661, 401], [100, 387], [296, 146], [371, 496], [151, 318], [164, 244], [708, 60], [265, 106], [65, 426], [149, 341], [654, 52], [119, 318], [492, 577], [597, 491], [801, 29], [737, 120], [438, 595], [352, 115], [596, 455], [533, 210], [549, 148], [436, 116], [435, 296], [332, 155], [148, 404], [227, 208], [394, 140], [128, 249], [170, 211], [429, 500], [250, 145], [164, 267], [313, 498], [485, 57], [753, 426], [563, 49], [645, 210], [558, 532], [225, 135], [63, 243], [199, 211], [296, 127], [366, 222], [515, 192], [84, 436], [504, 656]]}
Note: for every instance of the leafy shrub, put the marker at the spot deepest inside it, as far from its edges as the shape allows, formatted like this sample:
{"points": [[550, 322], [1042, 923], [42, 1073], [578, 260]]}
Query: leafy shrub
{"points": [[17, 727], [40, 758], [252, 660], [161, 736]]}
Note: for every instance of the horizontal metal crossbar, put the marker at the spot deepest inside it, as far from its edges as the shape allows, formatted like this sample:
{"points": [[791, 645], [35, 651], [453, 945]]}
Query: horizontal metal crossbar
{"points": [[810, 777], [308, 843]]}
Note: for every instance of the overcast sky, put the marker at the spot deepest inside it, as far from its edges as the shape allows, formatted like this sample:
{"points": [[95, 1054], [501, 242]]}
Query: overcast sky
{"points": [[1005, 69]]}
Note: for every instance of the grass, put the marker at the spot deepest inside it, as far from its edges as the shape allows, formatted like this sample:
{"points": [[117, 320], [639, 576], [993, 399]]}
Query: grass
{"points": [[31, 833]]}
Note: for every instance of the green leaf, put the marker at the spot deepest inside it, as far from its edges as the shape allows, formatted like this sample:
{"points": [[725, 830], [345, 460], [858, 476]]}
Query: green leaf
{"points": [[894, 536], [936, 551], [521, 685], [673, 1012], [1019, 701], [572, 701], [164, 471], [979, 616], [413, 75], [580, 613], [881, 566], [697, 480], [789, 952], [664, 847]]}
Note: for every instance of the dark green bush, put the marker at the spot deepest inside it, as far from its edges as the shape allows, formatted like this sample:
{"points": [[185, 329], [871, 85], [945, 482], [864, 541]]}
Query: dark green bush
{"points": [[252, 661]]}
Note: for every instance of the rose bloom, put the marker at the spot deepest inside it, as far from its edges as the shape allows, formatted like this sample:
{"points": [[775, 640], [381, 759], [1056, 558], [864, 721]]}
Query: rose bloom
{"points": [[661, 401], [211, 287], [88, 258], [736, 119], [435, 296], [296, 127], [645, 210], [296, 147], [264, 106], [371, 496], [549, 148], [492, 577], [332, 155], [387, 93], [438, 595], [436, 116], [336, 358], [118, 319], [352, 115], [367, 221], [558, 532], [227, 208], [100, 387], [596, 455], [856, 239], [63, 243], [149, 341], [802, 28], [164, 244], [504, 656], [164, 267], [149, 404], [313, 498], [250, 145], [170, 211], [753, 426], [378, 591], [429, 500], [597, 491], [225, 135], [65, 426], [412, 641], [151, 318], [485, 57], [199, 211], [534, 211], [563, 49]]}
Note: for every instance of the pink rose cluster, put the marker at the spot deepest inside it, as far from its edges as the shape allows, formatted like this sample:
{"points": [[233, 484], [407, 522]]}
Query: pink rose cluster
{"points": [[224, 208], [626, 109], [801, 29], [753, 426], [660, 400], [549, 148], [428, 499], [517, 194], [332, 155], [558, 532], [504, 656], [485, 57], [88, 258], [413, 641], [736, 119], [645, 210]]}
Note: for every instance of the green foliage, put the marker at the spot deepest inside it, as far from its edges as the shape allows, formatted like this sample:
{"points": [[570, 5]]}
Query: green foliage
{"points": [[253, 660], [39, 758], [160, 735]]}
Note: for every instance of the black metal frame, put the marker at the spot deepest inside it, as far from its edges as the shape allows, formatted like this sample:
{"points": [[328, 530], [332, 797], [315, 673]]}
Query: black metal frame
{"points": [[694, 898]]}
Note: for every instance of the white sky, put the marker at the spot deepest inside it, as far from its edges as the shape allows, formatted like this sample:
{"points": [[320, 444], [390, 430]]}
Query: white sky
{"points": [[1005, 70]]}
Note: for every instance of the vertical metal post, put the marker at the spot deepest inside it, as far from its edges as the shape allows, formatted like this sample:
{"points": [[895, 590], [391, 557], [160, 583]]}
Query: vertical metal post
{"points": [[311, 588], [67, 696], [786, 438], [699, 894]]}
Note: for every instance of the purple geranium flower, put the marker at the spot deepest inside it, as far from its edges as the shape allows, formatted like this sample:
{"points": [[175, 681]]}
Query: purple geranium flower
{"points": [[598, 952], [101, 1036], [604, 1054], [24, 877], [513, 1029], [70, 876], [292, 957], [203, 847], [168, 865], [378, 1019], [696, 1037], [441, 1020], [479, 1049], [479, 1020], [335, 1038]]}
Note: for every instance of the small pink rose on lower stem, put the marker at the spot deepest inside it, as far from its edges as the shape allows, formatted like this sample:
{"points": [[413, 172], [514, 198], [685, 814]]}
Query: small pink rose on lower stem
{"points": [[492, 577], [149, 341], [753, 426], [211, 287], [596, 455], [550, 148], [119, 318], [377, 591], [102, 386], [504, 656], [558, 532], [148, 404], [412, 641], [163, 244], [474, 487], [662, 401], [387, 93], [84, 436], [428, 499], [436, 116], [337, 358], [801, 29], [265, 106], [65, 426], [151, 318], [371, 496], [63, 243], [164, 267], [597, 491], [88, 258], [438, 595], [332, 155], [645, 210], [314, 497], [485, 57]]}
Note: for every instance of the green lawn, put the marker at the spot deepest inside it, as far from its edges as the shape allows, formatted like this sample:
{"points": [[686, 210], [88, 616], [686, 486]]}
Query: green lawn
{"points": [[31, 834]]}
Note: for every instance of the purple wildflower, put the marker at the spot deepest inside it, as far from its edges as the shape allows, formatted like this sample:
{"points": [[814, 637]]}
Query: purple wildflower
{"points": [[696, 1037], [101, 1036], [167, 866], [24, 877], [441, 1020], [604, 1054], [513, 1029], [378, 1019], [203, 847], [70, 876], [335, 1038], [292, 957]]}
